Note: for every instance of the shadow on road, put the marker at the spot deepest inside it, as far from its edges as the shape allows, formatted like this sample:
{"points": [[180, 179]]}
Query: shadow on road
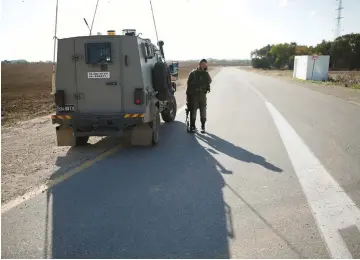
{"points": [[162, 202], [235, 152], [76, 156]]}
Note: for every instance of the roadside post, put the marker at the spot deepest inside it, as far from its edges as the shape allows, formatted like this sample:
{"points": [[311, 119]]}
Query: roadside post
{"points": [[314, 57]]}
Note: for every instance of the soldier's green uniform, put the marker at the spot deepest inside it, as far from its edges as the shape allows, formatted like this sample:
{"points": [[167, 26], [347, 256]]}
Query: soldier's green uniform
{"points": [[198, 85]]}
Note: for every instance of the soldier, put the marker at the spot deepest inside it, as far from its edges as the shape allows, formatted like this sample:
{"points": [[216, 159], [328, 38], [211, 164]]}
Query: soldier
{"points": [[198, 85]]}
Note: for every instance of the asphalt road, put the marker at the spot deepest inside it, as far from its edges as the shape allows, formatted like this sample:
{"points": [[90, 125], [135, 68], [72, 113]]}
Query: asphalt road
{"points": [[276, 176]]}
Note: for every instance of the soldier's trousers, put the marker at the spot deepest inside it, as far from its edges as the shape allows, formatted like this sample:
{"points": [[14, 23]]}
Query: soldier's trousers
{"points": [[194, 102]]}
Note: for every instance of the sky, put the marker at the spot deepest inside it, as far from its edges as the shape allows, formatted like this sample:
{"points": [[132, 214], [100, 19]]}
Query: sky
{"points": [[190, 29]]}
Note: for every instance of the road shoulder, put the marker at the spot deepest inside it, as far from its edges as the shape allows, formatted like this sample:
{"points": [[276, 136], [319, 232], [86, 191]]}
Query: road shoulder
{"points": [[348, 94]]}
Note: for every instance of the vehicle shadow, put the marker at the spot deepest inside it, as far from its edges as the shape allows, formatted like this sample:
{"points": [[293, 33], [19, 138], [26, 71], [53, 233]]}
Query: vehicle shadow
{"points": [[160, 202], [76, 156], [235, 152]]}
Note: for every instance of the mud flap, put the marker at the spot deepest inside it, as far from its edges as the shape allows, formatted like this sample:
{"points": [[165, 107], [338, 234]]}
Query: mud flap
{"points": [[141, 135], [64, 136]]}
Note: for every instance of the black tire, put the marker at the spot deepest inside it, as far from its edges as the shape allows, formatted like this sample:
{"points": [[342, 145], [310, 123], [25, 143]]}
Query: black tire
{"points": [[155, 125], [81, 140], [169, 113]]}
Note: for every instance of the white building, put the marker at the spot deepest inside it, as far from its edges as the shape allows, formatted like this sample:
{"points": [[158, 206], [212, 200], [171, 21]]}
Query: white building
{"points": [[311, 67]]}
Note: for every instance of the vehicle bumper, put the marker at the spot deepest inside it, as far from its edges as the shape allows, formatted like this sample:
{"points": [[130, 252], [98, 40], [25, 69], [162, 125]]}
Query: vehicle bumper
{"points": [[83, 124]]}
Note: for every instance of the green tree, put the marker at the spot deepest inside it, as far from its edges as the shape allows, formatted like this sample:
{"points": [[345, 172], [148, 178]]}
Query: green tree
{"points": [[323, 48], [344, 53]]}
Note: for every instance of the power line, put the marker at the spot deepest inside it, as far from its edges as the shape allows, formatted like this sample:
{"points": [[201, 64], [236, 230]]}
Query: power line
{"points": [[338, 18]]}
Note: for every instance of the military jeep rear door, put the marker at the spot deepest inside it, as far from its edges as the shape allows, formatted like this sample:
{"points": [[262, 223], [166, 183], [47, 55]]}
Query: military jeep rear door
{"points": [[99, 86]]}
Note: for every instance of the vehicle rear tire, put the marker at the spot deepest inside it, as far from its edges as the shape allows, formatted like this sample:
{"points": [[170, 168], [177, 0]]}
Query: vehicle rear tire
{"points": [[155, 126], [169, 113], [81, 140]]}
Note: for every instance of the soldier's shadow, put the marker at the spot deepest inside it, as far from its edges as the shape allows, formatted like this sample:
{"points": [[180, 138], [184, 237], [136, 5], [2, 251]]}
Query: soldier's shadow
{"points": [[238, 153]]}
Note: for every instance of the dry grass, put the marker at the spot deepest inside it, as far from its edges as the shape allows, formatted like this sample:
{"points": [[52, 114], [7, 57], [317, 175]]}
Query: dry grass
{"points": [[26, 90]]}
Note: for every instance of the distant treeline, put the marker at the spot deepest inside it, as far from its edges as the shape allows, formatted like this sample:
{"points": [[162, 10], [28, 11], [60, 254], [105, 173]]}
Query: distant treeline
{"points": [[216, 62], [344, 53], [23, 62], [210, 62]]}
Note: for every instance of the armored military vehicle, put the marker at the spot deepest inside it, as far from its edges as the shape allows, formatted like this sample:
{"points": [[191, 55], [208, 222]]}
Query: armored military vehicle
{"points": [[107, 85]]}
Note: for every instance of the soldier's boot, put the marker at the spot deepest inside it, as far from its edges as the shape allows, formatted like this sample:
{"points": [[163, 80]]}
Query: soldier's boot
{"points": [[192, 121], [192, 126], [203, 126], [192, 129]]}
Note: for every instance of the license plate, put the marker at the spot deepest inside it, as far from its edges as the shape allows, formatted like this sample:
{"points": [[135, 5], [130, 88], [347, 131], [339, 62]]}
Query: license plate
{"points": [[66, 108], [99, 75]]}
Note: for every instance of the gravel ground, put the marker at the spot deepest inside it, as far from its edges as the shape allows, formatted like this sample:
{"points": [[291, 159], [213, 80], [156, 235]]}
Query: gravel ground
{"points": [[30, 156]]}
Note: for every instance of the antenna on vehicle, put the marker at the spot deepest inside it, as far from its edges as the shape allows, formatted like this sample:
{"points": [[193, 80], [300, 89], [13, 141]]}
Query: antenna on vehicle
{"points": [[92, 24], [152, 11], [54, 55], [87, 25]]}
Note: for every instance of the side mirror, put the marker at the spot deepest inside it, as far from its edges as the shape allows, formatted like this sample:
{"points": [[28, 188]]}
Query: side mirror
{"points": [[175, 67], [161, 44], [174, 71], [171, 69]]}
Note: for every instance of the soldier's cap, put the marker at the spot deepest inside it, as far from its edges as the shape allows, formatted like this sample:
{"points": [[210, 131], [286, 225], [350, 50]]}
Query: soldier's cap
{"points": [[203, 60]]}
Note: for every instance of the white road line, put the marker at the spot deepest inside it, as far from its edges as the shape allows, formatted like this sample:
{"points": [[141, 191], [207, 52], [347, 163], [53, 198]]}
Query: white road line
{"points": [[331, 207], [355, 103], [21, 199]]}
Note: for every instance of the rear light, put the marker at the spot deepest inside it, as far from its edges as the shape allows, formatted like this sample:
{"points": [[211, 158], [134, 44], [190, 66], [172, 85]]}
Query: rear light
{"points": [[139, 96], [60, 98]]}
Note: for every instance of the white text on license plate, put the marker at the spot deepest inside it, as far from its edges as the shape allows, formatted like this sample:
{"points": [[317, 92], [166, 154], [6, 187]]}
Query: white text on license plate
{"points": [[99, 75]]}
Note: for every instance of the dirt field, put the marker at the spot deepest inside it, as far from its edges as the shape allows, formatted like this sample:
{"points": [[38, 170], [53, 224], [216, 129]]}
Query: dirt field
{"points": [[25, 91], [29, 154]]}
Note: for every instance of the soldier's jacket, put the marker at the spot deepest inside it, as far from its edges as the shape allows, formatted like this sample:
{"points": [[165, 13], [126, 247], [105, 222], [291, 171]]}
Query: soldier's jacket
{"points": [[198, 81]]}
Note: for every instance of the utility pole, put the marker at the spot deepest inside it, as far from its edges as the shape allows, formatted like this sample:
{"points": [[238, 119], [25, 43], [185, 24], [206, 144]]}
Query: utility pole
{"points": [[338, 18]]}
